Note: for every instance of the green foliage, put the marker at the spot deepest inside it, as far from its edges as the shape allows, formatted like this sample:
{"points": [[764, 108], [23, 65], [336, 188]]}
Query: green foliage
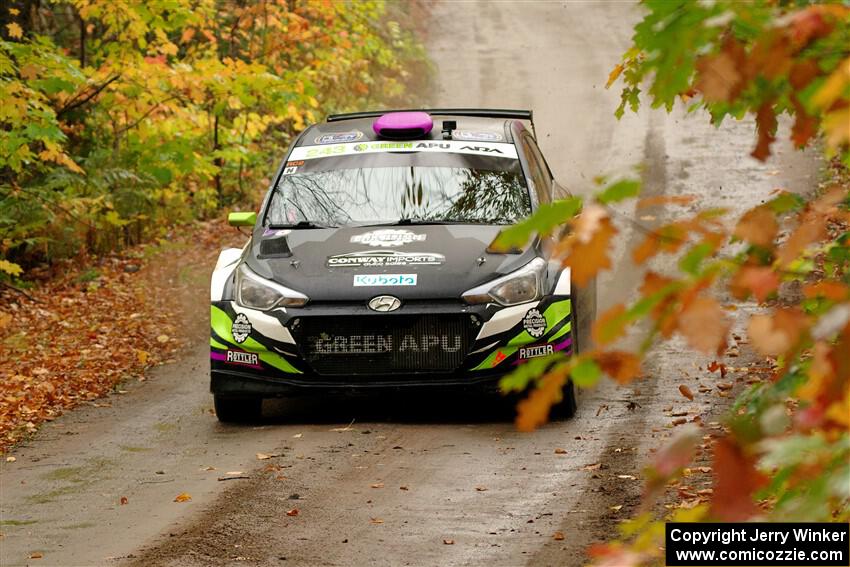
{"points": [[128, 117]]}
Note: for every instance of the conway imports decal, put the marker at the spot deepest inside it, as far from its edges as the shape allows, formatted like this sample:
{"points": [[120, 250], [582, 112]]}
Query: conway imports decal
{"points": [[472, 147], [383, 258]]}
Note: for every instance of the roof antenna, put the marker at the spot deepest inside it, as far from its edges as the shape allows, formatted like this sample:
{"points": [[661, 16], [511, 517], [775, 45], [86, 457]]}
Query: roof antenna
{"points": [[448, 126]]}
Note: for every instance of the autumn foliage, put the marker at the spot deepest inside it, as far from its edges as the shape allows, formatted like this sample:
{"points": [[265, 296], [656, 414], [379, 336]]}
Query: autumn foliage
{"points": [[120, 118], [783, 452]]}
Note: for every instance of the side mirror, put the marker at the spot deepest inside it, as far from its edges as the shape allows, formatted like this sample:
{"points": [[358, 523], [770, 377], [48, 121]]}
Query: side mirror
{"points": [[242, 219]]}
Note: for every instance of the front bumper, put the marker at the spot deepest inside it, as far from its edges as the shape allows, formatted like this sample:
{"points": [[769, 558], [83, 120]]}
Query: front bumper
{"points": [[270, 354]]}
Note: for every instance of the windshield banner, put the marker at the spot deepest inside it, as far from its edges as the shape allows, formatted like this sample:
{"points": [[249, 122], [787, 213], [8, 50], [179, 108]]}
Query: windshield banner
{"points": [[432, 146]]}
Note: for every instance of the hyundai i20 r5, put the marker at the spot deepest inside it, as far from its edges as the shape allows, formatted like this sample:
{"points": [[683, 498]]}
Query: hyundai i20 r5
{"points": [[370, 263]]}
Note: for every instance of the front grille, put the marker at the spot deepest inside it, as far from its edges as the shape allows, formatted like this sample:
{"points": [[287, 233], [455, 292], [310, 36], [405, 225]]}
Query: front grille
{"points": [[384, 344]]}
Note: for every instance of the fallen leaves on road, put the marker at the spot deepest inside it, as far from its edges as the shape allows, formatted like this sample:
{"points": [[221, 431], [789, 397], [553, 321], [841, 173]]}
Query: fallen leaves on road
{"points": [[558, 536], [448, 542], [124, 501], [183, 497], [481, 488], [592, 467], [377, 485], [36, 555], [91, 324], [560, 451], [685, 391], [292, 513], [376, 521], [266, 456]]}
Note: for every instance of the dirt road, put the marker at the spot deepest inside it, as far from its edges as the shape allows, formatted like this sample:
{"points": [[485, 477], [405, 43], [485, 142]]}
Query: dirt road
{"points": [[403, 481]]}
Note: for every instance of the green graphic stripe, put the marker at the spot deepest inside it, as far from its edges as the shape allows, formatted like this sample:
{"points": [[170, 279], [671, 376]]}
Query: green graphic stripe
{"points": [[221, 324], [214, 343], [554, 314]]}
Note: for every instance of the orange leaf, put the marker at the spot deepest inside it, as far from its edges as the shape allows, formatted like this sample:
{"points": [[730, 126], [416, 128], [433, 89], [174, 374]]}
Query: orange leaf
{"points": [[124, 500], [182, 497], [758, 226], [766, 125], [656, 200], [835, 291], [588, 244], [718, 77], [776, 334], [609, 326], [293, 512], [647, 249], [810, 231], [685, 391], [620, 365], [736, 480], [761, 281], [533, 411], [703, 324]]}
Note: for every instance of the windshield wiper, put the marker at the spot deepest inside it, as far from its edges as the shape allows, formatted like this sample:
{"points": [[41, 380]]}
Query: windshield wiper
{"points": [[301, 224]]}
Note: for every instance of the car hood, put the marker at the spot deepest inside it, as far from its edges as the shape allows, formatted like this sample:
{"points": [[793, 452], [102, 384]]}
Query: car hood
{"points": [[410, 262]]}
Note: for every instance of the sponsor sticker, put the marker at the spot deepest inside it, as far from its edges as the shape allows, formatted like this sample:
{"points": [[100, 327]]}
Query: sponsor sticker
{"points": [[289, 170], [339, 137], [242, 357], [500, 356], [387, 237], [241, 328], [476, 136], [383, 258], [534, 323], [533, 351], [471, 147], [378, 344], [378, 280], [295, 163]]}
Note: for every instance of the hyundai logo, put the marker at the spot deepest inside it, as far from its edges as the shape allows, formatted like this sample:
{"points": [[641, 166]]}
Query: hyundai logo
{"points": [[384, 303]]}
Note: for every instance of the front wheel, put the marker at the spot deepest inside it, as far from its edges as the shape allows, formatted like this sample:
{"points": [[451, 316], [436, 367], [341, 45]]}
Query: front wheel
{"points": [[237, 410], [566, 408]]}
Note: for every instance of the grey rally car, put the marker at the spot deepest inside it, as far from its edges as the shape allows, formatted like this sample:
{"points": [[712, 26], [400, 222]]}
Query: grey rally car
{"points": [[370, 263]]}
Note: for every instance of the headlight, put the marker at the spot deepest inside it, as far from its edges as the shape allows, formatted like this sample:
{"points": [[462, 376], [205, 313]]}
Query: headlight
{"points": [[259, 293], [521, 286]]}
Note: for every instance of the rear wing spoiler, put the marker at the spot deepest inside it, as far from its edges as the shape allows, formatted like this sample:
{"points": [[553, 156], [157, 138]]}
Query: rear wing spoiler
{"points": [[475, 112]]}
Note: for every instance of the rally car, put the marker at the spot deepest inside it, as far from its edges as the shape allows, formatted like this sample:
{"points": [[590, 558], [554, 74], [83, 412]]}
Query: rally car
{"points": [[371, 265]]}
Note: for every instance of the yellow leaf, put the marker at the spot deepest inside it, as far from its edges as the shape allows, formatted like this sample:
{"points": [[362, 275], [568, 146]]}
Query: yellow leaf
{"points": [[833, 87], [162, 339], [10, 268], [142, 356], [615, 72], [183, 497], [15, 30], [14, 11]]}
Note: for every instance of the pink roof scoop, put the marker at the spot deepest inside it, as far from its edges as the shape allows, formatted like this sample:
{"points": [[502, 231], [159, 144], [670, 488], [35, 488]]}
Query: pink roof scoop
{"points": [[403, 125]]}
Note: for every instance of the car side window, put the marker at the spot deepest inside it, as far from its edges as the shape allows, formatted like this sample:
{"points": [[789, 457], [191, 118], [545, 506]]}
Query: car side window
{"points": [[537, 168]]}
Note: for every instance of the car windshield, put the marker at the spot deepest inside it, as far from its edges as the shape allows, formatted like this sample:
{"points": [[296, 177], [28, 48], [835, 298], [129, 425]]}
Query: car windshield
{"points": [[391, 187]]}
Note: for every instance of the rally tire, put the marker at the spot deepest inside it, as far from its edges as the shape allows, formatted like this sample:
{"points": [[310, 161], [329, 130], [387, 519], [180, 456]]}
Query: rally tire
{"points": [[238, 410], [566, 408]]}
